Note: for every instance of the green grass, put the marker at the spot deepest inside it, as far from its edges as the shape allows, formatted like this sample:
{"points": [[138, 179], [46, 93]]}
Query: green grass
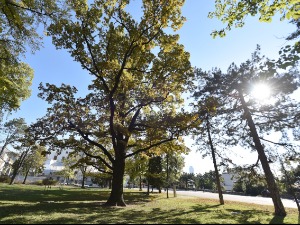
{"points": [[23, 204]]}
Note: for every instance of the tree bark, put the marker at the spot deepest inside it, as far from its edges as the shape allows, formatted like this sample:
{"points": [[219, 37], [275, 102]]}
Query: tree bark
{"points": [[83, 181], [274, 192], [214, 161], [167, 175], [25, 178], [148, 187], [174, 191], [18, 166], [140, 183], [27, 172], [116, 196]]}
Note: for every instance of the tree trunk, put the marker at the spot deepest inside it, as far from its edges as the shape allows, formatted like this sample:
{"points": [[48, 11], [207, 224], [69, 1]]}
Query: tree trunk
{"points": [[82, 183], [214, 161], [18, 166], [116, 195], [27, 172], [141, 183], [174, 191], [110, 184], [25, 178], [274, 192], [167, 175], [148, 187]]}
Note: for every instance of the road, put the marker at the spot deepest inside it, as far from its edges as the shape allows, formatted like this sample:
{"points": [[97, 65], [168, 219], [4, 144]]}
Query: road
{"points": [[249, 199]]}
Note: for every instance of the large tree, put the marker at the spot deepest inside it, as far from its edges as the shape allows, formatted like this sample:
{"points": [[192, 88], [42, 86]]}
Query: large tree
{"points": [[248, 119], [139, 74]]}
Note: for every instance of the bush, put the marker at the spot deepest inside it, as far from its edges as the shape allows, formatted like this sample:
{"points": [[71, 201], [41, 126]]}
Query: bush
{"points": [[38, 182], [5, 179], [49, 182]]}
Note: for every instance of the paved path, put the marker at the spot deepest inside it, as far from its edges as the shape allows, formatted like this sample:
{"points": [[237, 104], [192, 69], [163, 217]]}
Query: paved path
{"points": [[249, 199]]}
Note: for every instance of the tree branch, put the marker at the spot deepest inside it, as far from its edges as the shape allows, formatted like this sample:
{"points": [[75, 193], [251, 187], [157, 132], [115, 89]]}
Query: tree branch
{"points": [[149, 147], [85, 137]]}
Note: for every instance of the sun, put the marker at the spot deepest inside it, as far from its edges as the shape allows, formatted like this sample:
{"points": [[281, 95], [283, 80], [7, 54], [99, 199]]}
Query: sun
{"points": [[261, 92]]}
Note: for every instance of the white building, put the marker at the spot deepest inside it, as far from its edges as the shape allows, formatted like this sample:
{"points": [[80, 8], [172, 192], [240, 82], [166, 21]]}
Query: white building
{"points": [[7, 158], [54, 162], [191, 169]]}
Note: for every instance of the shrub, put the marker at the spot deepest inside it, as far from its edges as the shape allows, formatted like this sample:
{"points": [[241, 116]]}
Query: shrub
{"points": [[38, 182], [4, 179], [48, 181]]}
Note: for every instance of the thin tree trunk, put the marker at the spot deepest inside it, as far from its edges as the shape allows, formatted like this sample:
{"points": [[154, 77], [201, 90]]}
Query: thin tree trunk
{"points": [[110, 184], [274, 192], [18, 166], [214, 161], [83, 179], [167, 175], [174, 191], [140, 183], [116, 195], [148, 187], [27, 172], [25, 178]]}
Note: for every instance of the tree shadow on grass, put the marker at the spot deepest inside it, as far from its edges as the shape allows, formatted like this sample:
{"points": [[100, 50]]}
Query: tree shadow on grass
{"points": [[94, 213], [67, 194], [277, 220]]}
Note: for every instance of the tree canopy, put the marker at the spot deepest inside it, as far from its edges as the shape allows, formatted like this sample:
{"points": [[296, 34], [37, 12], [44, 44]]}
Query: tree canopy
{"points": [[18, 33], [233, 13]]}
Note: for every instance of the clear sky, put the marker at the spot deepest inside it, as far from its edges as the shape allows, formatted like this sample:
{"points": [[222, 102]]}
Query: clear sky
{"points": [[56, 66]]}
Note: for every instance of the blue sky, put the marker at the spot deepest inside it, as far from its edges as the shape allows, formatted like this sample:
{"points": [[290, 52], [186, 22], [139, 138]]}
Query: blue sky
{"points": [[56, 66]]}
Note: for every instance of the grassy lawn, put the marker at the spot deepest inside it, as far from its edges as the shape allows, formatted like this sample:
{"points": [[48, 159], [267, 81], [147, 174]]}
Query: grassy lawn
{"points": [[35, 205]]}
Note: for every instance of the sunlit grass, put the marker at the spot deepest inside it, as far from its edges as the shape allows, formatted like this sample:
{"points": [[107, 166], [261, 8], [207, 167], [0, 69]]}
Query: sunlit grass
{"points": [[33, 204]]}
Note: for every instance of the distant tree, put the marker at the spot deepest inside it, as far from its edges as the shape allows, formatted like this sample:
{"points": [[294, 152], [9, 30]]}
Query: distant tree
{"points": [[102, 179], [249, 181], [206, 112], [68, 172], [209, 180], [185, 178], [137, 167], [291, 179], [83, 163], [173, 163], [155, 174], [34, 161], [139, 73], [12, 132]]}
